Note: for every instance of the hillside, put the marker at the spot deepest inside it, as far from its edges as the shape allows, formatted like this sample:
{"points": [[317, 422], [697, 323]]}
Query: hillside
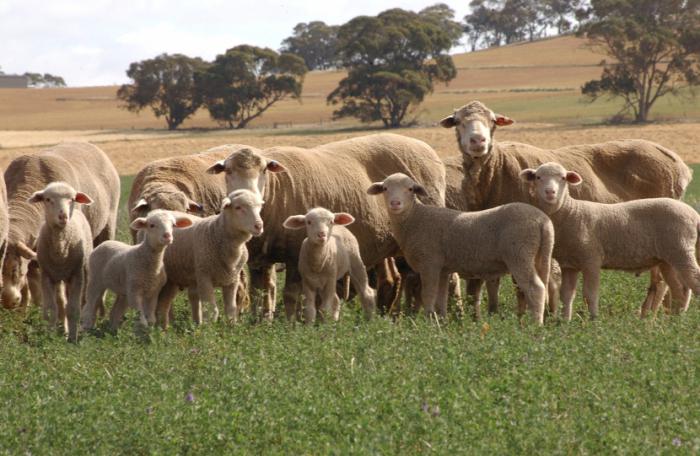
{"points": [[536, 82]]}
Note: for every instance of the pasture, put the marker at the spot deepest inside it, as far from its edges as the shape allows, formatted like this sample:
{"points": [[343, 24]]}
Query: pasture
{"points": [[498, 386]]}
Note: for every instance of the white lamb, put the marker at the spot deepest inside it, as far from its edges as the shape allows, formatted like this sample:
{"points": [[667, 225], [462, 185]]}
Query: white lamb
{"points": [[62, 251], [329, 253], [630, 236], [135, 273]]}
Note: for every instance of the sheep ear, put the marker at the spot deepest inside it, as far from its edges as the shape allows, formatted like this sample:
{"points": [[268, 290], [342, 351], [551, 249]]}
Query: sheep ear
{"points": [[182, 222], [342, 218], [139, 224], [218, 167], [573, 178], [376, 188], [83, 198], [194, 207], [502, 120], [275, 167], [448, 122], [295, 222], [37, 197], [528, 175], [140, 204], [25, 252], [225, 203], [419, 190]]}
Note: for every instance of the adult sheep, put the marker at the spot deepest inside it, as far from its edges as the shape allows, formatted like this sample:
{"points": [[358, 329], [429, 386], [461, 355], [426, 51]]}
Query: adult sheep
{"points": [[612, 171], [181, 184], [4, 222], [293, 180], [81, 165]]}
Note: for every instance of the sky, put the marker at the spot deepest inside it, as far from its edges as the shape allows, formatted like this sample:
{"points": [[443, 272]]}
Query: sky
{"points": [[92, 42]]}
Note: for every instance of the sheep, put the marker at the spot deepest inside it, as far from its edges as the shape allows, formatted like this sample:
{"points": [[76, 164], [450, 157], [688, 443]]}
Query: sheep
{"points": [[181, 184], [63, 247], [82, 166], [629, 236], [436, 241], [211, 254], [329, 253], [135, 273], [293, 179], [612, 172], [4, 222]]}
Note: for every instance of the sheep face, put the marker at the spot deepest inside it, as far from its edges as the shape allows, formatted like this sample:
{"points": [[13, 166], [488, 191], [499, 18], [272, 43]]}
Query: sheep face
{"points": [[474, 125], [59, 200], [14, 273], [550, 183], [399, 192], [246, 169], [319, 224], [242, 211], [158, 227], [167, 200]]}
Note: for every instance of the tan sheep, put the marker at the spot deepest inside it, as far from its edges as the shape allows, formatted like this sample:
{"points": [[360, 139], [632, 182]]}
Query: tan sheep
{"points": [[62, 251], [630, 236], [135, 273], [82, 166], [211, 253], [435, 241], [329, 253], [612, 172], [332, 175], [181, 184], [4, 222]]}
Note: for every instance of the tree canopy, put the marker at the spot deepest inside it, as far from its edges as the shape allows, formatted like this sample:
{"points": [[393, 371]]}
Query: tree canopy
{"points": [[315, 42], [166, 85], [243, 83], [393, 59], [44, 80], [654, 47]]}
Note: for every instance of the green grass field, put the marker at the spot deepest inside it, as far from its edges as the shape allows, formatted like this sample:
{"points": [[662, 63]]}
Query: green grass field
{"points": [[618, 385]]}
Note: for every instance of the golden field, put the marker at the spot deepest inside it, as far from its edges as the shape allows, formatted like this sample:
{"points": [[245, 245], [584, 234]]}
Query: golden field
{"points": [[537, 84]]}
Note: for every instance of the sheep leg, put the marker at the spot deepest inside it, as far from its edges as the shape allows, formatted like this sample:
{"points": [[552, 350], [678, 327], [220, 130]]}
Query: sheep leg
{"points": [[205, 289], [230, 305], [195, 305], [328, 297], [358, 277], [264, 281], [292, 287], [309, 305], [492, 286], [655, 292], [569, 277], [137, 301], [118, 310], [430, 282], [689, 273], [165, 302], [61, 301], [680, 294], [76, 292], [34, 282], [49, 306], [454, 290], [474, 287], [534, 290], [336, 308], [94, 298], [591, 285], [443, 288]]}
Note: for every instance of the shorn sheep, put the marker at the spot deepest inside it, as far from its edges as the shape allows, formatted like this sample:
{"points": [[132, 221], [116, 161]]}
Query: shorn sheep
{"points": [[612, 172], [63, 248], [135, 273], [81, 165], [328, 254], [211, 253], [292, 180], [630, 236], [436, 241]]}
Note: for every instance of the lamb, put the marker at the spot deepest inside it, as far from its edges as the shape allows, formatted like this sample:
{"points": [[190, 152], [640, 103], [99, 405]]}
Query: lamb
{"points": [[612, 172], [82, 166], [630, 236], [211, 254], [63, 248], [435, 241], [329, 253], [135, 273], [332, 175], [181, 184]]}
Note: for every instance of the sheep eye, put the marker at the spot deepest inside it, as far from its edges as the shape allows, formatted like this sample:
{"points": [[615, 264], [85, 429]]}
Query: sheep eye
{"points": [[384, 188], [308, 222], [538, 178], [152, 225], [238, 208]]}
